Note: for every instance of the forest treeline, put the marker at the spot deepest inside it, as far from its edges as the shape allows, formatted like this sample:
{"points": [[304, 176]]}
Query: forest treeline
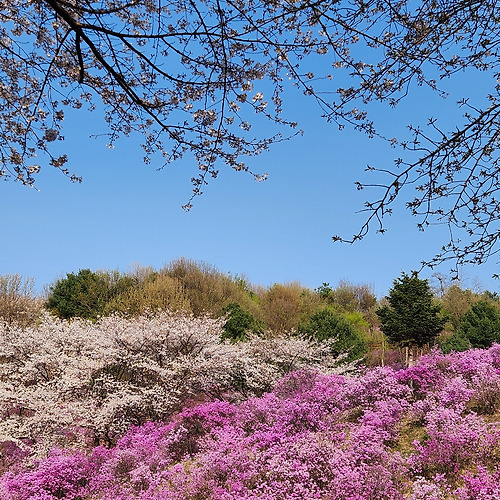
{"points": [[348, 313]]}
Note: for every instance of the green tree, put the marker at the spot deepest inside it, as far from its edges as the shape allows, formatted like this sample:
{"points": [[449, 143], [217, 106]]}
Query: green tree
{"points": [[456, 302], [327, 324], [324, 290], [239, 323], [82, 295], [492, 296], [480, 325], [411, 318]]}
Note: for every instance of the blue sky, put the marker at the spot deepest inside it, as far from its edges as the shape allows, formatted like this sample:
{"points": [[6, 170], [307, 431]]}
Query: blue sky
{"points": [[275, 231]]}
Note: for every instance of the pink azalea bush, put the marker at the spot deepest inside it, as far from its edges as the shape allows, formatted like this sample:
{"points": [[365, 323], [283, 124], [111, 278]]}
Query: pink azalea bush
{"points": [[427, 432]]}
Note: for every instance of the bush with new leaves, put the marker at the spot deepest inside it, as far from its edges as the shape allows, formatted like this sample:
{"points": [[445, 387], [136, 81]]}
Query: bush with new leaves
{"points": [[326, 324], [207, 289], [157, 292], [284, 306]]}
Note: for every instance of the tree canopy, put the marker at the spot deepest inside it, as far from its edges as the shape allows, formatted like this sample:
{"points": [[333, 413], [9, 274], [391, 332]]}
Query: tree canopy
{"points": [[326, 324], [411, 318], [481, 325], [82, 295], [193, 77]]}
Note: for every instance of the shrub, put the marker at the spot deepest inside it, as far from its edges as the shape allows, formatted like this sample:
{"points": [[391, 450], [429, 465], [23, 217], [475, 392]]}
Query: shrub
{"points": [[480, 325], [329, 325], [349, 297], [456, 302], [239, 323], [207, 289], [58, 476], [456, 342], [375, 434], [385, 357], [68, 383], [454, 441], [284, 306]]}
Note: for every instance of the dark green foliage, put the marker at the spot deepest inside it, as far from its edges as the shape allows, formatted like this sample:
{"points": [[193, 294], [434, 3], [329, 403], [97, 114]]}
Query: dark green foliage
{"points": [[481, 324], [327, 324], [82, 295], [239, 323], [456, 342], [411, 318], [324, 290]]}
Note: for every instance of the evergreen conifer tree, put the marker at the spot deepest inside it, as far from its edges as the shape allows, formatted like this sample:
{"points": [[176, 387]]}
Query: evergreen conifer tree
{"points": [[411, 318]]}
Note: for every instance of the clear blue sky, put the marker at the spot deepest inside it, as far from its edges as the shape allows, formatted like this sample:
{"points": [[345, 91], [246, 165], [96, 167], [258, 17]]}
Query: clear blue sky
{"points": [[276, 231]]}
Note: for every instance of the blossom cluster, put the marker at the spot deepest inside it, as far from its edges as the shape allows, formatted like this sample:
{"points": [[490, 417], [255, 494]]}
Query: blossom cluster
{"points": [[427, 432], [81, 384]]}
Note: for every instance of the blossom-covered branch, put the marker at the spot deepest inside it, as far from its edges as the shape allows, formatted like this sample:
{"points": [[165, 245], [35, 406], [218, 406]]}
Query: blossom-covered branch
{"points": [[201, 78]]}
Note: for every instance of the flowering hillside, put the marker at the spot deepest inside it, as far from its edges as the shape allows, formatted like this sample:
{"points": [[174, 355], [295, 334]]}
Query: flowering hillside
{"points": [[80, 383], [427, 432]]}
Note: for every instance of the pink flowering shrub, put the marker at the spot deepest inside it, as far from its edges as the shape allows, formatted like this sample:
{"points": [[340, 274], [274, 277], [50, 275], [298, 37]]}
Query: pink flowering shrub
{"points": [[58, 476], [484, 485], [11, 456], [377, 434], [455, 441]]}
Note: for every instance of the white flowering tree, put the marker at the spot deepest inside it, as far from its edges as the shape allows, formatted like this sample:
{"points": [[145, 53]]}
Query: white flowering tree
{"points": [[80, 383], [194, 76]]}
